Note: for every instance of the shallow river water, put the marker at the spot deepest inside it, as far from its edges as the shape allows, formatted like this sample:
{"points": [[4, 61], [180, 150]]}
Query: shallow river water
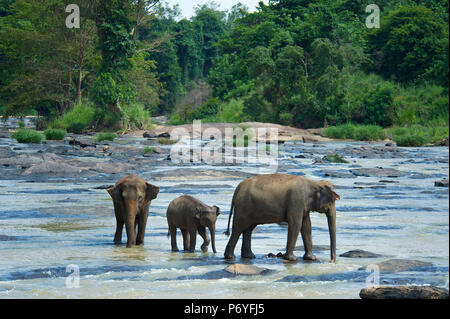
{"points": [[49, 230]]}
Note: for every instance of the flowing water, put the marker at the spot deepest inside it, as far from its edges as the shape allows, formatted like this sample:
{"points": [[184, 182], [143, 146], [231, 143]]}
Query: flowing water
{"points": [[48, 230]]}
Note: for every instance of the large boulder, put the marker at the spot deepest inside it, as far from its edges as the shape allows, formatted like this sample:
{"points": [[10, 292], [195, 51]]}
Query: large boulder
{"points": [[404, 292]]}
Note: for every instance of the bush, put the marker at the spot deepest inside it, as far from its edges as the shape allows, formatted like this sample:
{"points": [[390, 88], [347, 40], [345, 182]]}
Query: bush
{"points": [[356, 132], [55, 134], [418, 135], [166, 141], [77, 119], [410, 140], [136, 116], [105, 137], [28, 136]]}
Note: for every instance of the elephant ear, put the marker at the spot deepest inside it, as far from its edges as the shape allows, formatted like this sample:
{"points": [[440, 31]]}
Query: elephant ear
{"points": [[197, 213], [326, 195], [151, 192], [217, 210], [114, 192]]}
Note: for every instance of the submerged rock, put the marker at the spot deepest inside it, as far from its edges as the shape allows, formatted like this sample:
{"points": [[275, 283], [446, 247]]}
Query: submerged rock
{"points": [[358, 253], [398, 265], [404, 292], [377, 172], [247, 270]]}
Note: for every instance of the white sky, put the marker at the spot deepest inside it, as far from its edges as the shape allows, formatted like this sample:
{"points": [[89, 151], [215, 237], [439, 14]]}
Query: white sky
{"points": [[187, 6]]}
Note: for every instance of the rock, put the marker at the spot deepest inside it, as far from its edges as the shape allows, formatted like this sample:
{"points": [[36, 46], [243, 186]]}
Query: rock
{"points": [[404, 292], [335, 158], [7, 238], [358, 253], [247, 270], [443, 142], [55, 168], [338, 174], [150, 134], [377, 172], [442, 183], [79, 142], [300, 156], [164, 135], [398, 265]]}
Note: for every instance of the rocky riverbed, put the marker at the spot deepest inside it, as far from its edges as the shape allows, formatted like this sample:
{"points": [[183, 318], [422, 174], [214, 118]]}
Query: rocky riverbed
{"points": [[55, 212]]}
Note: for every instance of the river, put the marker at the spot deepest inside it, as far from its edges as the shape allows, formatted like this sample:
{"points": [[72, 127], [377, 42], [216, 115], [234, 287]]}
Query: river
{"points": [[52, 228]]}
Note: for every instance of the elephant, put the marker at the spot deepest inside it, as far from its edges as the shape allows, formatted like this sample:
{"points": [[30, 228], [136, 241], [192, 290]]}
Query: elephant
{"points": [[132, 196], [276, 198], [191, 215]]}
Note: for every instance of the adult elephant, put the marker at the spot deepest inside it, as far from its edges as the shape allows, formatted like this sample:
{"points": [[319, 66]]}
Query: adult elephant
{"points": [[131, 196], [276, 198]]}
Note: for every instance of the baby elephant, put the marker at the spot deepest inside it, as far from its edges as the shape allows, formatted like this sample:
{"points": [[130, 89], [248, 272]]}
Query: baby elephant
{"points": [[191, 215]]}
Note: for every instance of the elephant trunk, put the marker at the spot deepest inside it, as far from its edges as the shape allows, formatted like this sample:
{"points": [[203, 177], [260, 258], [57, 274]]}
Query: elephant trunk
{"points": [[331, 217], [212, 230]]}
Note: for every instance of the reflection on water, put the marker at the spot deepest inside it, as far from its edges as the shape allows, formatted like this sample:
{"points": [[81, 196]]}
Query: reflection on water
{"points": [[44, 227]]}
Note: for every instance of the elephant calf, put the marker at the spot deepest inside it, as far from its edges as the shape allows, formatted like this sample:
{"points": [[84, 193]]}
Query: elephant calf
{"points": [[191, 215], [131, 197]]}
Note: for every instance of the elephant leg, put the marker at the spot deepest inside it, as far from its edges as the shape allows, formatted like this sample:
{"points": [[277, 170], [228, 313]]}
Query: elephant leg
{"points": [[192, 239], [246, 249], [185, 239], [173, 238], [119, 229], [142, 223], [206, 240], [131, 231], [307, 238], [229, 250], [293, 231]]}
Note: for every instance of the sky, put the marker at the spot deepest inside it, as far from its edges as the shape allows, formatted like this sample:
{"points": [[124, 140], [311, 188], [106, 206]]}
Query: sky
{"points": [[187, 6]]}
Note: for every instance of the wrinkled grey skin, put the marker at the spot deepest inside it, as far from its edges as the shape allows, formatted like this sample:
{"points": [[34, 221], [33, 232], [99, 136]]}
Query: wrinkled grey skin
{"points": [[276, 198], [191, 215], [131, 196]]}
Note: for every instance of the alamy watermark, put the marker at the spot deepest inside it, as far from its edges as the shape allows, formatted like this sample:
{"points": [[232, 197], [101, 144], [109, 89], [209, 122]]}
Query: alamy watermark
{"points": [[73, 19], [73, 279], [373, 20]]}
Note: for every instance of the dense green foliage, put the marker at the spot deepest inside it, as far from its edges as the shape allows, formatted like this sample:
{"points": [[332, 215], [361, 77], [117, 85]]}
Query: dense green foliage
{"points": [[304, 63], [105, 137], [24, 135], [54, 134]]}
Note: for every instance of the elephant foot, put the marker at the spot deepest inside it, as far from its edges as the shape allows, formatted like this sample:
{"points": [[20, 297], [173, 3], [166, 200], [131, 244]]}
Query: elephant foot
{"points": [[311, 257], [248, 254], [229, 256], [204, 248], [290, 257], [175, 250]]}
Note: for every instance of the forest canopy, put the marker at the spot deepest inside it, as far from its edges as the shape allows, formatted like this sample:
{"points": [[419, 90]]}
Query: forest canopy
{"points": [[303, 63]]}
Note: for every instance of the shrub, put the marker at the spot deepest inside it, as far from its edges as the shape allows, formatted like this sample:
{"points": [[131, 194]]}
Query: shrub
{"points": [[409, 140], [356, 132], [28, 136], [148, 149], [105, 137], [55, 134], [166, 141], [77, 119], [136, 116]]}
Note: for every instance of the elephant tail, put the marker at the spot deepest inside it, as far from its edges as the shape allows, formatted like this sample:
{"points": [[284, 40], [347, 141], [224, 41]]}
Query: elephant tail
{"points": [[227, 232]]}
